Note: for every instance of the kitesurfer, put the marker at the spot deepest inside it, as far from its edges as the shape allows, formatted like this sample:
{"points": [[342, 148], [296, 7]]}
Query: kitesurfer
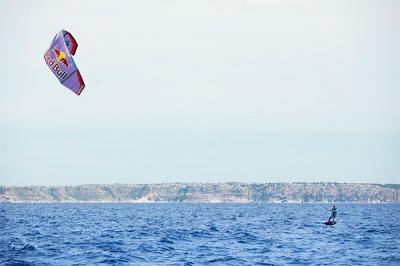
{"points": [[334, 212]]}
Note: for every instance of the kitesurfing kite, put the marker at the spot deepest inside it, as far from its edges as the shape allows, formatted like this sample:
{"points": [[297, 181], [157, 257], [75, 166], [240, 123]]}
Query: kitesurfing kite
{"points": [[59, 59]]}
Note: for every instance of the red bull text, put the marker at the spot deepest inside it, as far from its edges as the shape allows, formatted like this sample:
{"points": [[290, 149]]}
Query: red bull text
{"points": [[55, 66]]}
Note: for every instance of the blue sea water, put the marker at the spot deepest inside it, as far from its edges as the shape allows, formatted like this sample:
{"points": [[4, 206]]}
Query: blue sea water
{"points": [[198, 234]]}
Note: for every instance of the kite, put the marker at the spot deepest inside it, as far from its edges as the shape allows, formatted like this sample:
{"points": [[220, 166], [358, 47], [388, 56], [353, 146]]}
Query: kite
{"points": [[59, 59]]}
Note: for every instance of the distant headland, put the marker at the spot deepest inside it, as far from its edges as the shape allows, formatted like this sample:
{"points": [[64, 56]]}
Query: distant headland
{"points": [[230, 192]]}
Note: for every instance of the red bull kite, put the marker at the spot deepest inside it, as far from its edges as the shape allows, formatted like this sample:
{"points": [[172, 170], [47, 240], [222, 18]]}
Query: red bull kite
{"points": [[59, 59]]}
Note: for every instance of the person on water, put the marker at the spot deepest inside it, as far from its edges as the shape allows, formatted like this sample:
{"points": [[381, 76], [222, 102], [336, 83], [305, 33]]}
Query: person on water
{"points": [[333, 215]]}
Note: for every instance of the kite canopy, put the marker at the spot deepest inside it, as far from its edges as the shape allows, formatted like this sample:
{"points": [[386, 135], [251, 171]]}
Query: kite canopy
{"points": [[59, 59]]}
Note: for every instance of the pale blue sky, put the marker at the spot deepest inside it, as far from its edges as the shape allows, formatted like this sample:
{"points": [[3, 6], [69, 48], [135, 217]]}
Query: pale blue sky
{"points": [[202, 91]]}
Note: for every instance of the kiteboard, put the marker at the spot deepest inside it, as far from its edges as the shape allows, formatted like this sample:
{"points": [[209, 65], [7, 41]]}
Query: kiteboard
{"points": [[330, 223]]}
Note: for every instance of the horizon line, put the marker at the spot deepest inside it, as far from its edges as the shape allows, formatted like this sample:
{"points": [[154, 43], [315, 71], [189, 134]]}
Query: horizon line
{"points": [[204, 183]]}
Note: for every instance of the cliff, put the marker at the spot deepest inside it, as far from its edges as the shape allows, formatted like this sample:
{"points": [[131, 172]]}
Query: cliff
{"points": [[206, 192]]}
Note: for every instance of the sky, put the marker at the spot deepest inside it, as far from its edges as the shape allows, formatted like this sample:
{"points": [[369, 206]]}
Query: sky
{"points": [[202, 91]]}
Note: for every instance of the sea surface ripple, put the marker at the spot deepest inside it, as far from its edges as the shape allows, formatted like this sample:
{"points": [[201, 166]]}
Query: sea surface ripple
{"points": [[198, 234]]}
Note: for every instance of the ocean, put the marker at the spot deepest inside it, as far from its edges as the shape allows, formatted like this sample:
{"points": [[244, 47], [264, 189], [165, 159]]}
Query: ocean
{"points": [[198, 234]]}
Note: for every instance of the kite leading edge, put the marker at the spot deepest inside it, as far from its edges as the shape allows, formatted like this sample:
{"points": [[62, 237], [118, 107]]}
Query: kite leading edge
{"points": [[59, 59]]}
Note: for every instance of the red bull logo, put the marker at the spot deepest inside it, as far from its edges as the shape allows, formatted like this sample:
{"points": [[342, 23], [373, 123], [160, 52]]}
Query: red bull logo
{"points": [[61, 57], [54, 66]]}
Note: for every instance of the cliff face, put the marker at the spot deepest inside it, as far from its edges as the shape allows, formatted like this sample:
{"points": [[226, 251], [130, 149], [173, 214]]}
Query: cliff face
{"points": [[214, 192]]}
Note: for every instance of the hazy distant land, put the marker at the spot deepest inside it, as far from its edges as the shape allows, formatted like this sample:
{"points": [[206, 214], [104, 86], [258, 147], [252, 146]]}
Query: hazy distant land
{"points": [[206, 192]]}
